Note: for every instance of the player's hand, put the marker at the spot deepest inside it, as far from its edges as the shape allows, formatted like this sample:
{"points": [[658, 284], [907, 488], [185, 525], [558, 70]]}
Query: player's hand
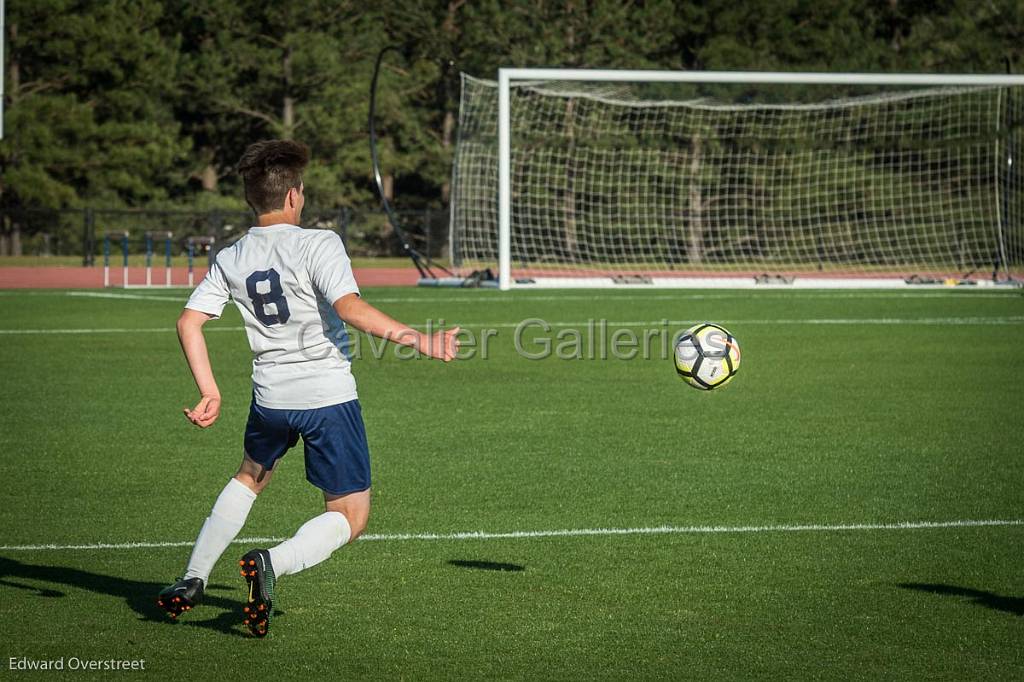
{"points": [[443, 345], [205, 412]]}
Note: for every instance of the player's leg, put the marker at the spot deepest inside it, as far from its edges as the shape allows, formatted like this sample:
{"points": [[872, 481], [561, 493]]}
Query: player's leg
{"points": [[337, 462], [355, 507], [220, 528], [267, 438], [227, 517], [313, 542], [254, 475], [344, 518]]}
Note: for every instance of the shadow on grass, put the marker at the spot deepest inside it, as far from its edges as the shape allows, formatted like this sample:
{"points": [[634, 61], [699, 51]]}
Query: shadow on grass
{"points": [[990, 600], [486, 565], [139, 596]]}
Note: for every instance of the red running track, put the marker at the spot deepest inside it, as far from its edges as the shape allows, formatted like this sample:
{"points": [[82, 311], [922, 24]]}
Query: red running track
{"points": [[92, 278]]}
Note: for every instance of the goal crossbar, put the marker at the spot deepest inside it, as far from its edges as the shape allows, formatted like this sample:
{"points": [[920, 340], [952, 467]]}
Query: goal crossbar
{"points": [[777, 77], [508, 76]]}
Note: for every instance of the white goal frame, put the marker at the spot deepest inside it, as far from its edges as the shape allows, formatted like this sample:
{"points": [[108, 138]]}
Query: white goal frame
{"points": [[507, 76]]}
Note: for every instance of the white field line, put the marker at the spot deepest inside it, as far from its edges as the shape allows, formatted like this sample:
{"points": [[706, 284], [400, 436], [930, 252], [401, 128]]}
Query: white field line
{"points": [[650, 324], [133, 297], [113, 330], [488, 298], [740, 294], [583, 324], [566, 533]]}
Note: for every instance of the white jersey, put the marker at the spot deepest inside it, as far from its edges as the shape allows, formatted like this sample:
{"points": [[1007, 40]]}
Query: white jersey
{"points": [[284, 280]]}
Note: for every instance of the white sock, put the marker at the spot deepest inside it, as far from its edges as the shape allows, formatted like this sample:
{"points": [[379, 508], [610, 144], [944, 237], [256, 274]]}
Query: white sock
{"points": [[222, 525], [312, 543]]}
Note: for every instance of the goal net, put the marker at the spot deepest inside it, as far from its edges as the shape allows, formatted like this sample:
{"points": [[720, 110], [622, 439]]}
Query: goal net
{"points": [[612, 181]]}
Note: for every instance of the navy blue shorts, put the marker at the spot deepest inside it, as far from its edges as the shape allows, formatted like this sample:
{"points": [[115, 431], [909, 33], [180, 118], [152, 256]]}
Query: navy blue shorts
{"points": [[333, 437]]}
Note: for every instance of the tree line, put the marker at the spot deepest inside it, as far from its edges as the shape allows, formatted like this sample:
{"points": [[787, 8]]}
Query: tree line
{"points": [[149, 103]]}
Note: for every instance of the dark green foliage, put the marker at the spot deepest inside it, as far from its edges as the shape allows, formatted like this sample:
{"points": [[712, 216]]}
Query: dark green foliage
{"points": [[149, 102], [89, 105]]}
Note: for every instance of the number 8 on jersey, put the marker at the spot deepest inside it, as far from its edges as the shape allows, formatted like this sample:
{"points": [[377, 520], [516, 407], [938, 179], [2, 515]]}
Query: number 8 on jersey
{"points": [[275, 296]]}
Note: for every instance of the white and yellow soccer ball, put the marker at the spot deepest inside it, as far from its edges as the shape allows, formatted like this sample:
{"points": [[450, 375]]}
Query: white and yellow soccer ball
{"points": [[707, 356]]}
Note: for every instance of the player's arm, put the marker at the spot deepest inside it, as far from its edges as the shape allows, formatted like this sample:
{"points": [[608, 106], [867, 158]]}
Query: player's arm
{"points": [[355, 311], [190, 334]]}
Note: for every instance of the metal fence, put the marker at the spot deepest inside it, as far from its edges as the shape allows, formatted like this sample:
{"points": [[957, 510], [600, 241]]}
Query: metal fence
{"points": [[80, 232]]}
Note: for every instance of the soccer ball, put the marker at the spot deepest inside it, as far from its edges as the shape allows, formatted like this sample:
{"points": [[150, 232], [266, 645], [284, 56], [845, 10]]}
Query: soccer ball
{"points": [[707, 356]]}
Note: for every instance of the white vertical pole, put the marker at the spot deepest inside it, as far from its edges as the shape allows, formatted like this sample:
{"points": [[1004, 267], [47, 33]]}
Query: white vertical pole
{"points": [[149, 259], [997, 181], [504, 184], [106, 260], [124, 253]]}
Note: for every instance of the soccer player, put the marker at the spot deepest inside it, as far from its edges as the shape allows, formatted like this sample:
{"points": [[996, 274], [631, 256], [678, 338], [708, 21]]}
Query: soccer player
{"points": [[295, 290]]}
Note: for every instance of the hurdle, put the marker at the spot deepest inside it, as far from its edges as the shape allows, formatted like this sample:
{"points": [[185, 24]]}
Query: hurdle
{"points": [[168, 238], [203, 242], [195, 246], [123, 236], [150, 240]]}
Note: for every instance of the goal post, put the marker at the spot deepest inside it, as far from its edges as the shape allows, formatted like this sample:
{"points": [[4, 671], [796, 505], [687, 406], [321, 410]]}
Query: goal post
{"points": [[602, 179]]}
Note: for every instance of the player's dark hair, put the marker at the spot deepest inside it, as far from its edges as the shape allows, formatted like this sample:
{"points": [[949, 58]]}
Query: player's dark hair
{"points": [[269, 169]]}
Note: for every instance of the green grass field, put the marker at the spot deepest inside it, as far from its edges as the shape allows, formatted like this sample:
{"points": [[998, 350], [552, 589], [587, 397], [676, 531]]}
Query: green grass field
{"points": [[851, 409]]}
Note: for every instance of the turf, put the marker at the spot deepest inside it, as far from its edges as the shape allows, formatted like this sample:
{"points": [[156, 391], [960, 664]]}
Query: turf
{"points": [[850, 408]]}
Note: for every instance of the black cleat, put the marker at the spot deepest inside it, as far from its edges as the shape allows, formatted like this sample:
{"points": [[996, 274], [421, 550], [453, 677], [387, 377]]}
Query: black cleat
{"points": [[258, 572], [181, 596]]}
